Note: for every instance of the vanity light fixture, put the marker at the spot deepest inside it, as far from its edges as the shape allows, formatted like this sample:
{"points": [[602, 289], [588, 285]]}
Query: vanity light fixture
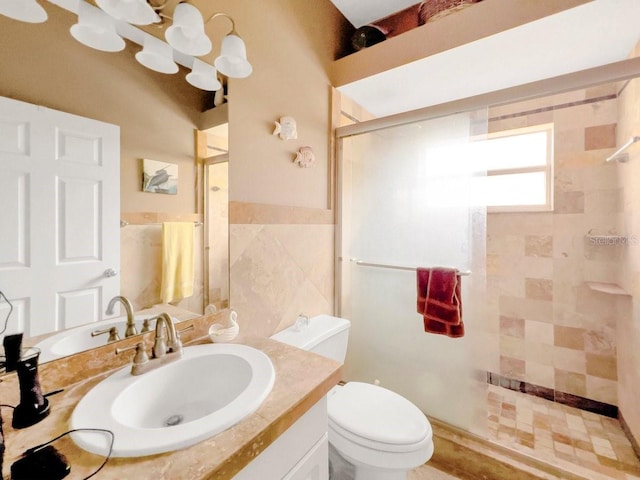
{"points": [[96, 29], [232, 60], [157, 55], [186, 33], [103, 28], [138, 12], [204, 76], [23, 10]]}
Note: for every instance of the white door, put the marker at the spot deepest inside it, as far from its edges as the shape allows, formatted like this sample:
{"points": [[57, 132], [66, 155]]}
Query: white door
{"points": [[59, 227]]}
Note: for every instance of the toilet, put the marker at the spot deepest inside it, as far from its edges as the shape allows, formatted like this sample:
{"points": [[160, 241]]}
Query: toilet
{"points": [[380, 434]]}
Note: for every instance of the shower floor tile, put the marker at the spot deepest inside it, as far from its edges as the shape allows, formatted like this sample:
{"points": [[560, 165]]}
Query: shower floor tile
{"points": [[584, 443]]}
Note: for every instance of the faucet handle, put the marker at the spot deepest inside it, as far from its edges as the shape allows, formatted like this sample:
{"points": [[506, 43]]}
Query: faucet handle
{"points": [[140, 357], [113, 334], [177, 346], [146, 327]]}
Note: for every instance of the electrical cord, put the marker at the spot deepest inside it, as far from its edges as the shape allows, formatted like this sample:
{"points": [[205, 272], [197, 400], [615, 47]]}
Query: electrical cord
{"points": [[6, 320], [107, 457], [54, 392]]}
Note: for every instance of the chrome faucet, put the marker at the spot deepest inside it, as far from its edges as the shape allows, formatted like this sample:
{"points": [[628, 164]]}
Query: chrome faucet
{"points": [[131, 326]]}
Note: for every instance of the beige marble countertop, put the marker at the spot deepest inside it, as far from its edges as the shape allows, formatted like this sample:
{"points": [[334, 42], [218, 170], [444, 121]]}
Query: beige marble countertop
{"points": [[302, 378]]}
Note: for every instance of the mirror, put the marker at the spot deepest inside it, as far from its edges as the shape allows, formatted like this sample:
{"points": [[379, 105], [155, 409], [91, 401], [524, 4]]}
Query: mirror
{"points": [[216, 218], [156, 114]]}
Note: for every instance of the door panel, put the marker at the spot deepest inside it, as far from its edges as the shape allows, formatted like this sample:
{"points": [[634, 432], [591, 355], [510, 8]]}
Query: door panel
{"points": [[79, 304], [78, 240], [59, 180], [14, 188]]}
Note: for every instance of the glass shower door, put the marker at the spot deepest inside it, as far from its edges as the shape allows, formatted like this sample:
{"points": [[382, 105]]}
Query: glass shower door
{"points": [[407, 200]]}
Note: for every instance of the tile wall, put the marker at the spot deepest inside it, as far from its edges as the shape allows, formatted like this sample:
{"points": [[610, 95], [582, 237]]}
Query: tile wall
{"points": [[281, 264], [551, 328]]}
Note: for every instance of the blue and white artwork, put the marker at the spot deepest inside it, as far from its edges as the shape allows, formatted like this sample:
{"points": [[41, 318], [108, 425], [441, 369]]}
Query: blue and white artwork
{"points": [[159, 177]]}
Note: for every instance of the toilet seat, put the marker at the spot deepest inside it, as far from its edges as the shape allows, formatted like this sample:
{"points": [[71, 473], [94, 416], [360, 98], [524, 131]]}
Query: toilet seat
{"points": [[375, 427], [377, 418]]}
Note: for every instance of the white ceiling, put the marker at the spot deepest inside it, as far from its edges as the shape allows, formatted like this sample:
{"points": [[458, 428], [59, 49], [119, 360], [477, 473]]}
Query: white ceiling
{"points": [[593, 34], [362, 12]]}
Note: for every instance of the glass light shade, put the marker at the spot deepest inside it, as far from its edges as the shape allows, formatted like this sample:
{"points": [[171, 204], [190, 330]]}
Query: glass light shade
{"points": [[138, 12], [186, 34], [204, 76], [232, 61], [157, 56], [23, 10], [96, 29]]}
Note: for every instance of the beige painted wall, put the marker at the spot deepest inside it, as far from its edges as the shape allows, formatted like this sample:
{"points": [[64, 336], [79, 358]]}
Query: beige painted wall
{"points": [[281, 232], [291, 46]]}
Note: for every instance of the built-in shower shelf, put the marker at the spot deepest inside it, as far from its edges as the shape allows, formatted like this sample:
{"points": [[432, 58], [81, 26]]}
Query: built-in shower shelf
{"points": [[610, 288]]}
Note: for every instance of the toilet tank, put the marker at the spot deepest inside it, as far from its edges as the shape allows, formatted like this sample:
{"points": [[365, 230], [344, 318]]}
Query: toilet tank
{"points": [[324, 335]]}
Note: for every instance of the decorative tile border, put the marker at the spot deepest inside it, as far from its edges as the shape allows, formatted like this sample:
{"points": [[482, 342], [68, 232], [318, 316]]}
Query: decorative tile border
{"points": [[554, 395], [627, 432], [259, 213], [153, 218]]}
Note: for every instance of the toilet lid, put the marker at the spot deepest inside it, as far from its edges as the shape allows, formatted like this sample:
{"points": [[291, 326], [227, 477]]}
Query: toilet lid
{"points": [[377, 414]]}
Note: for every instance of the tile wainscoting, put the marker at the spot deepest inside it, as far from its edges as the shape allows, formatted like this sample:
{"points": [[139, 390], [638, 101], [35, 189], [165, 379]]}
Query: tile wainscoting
{"points": [[557, 396], [281, 264]]}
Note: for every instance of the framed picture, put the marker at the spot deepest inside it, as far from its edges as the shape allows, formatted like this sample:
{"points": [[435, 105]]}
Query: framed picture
{"points": [[159, 177]]}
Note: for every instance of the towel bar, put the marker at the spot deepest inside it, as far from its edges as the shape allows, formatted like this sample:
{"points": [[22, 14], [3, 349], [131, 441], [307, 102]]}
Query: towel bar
{"points": [[396, 267], [619, 154], [124, 223]]}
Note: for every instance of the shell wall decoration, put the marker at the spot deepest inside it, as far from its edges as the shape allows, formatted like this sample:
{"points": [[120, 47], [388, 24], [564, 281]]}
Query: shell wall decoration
{"points": [[304, 157], [286, 128]]}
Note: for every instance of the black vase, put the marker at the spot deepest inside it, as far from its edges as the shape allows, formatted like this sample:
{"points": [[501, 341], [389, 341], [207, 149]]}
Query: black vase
{"points": [[33, 406], [366, 36]]}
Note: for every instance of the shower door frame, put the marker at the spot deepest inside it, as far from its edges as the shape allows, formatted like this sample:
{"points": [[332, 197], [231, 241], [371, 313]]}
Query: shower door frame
{"points": [[613, 72]]}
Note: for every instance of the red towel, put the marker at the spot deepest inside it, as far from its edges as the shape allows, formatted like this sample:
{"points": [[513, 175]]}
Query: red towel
{"points": [[439, 301]]}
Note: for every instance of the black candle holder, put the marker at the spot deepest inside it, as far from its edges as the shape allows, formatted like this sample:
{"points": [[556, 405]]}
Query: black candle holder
{"points": [[33, 406]]}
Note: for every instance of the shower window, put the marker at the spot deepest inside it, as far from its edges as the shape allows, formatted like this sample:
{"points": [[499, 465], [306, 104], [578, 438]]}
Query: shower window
{"points": [[519, 169]]}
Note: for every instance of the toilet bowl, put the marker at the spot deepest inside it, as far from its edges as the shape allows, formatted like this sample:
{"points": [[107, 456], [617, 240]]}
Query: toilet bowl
{"points": [[381, 434]]}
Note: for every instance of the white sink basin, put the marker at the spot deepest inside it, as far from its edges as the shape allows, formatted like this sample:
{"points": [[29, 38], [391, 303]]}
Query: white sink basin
{"points": [[79, 339], [211, 388]]}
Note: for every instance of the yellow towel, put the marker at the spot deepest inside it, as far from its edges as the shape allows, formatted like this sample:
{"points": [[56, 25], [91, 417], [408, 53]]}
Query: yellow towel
{"points": [[177, 261]]}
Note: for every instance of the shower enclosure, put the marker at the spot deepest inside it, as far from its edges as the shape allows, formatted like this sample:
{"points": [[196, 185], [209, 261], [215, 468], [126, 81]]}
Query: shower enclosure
{"points": [[547, 351], [408, 198]]}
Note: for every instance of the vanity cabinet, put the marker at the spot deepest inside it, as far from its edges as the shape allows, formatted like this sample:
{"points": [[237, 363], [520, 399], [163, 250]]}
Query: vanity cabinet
{"points": [[300, 453]]}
